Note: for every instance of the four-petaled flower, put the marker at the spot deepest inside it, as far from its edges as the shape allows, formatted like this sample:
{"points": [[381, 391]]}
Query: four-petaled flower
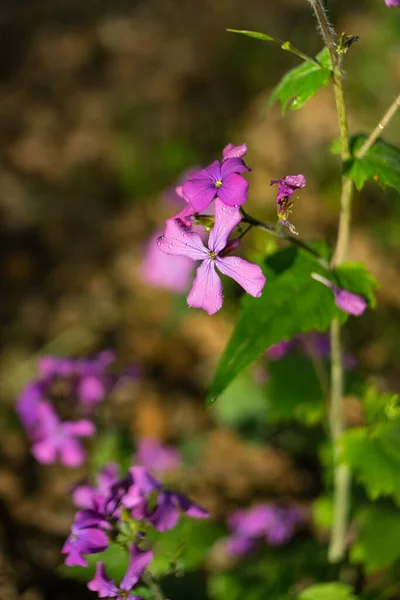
{"points": [[220, 179], [206, 291], [106, 588], [353, 304]]}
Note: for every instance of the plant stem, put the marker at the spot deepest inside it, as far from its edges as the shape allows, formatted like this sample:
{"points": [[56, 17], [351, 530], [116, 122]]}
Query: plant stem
{"points": [[274, 230], [342, 480], [387, 117], [153, 586]]}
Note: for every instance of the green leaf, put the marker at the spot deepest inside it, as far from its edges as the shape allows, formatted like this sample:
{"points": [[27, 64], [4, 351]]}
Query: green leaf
{"points": [[255, 34], [183, 548], [354, 277], [233, 407], [303, 82], [377, 545], [293, 391], [373, 454], [380, 164], [381, 407], [328, 591], [292, 302]]}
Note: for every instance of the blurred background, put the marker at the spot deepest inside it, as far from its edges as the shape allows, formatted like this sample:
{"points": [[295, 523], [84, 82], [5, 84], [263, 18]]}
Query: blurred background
{"points": [[102, 106]]}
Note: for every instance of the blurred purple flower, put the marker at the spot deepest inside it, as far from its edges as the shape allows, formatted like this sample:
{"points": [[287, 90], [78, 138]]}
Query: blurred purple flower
{"points": [[276, 524], [83, 539], [148, 499], [88, 496], [392, 2], [159, 270], [351, 303], [278, 351], [286, 188], [157, 458], [53, 439], [106, 588], [206, 292], [220, 179]]}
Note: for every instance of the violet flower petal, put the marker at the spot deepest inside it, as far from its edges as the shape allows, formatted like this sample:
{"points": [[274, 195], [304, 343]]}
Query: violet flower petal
{"points": [[139, 560], [226, 219], [102, 584], [351, 303], [206, 292], [232, 151], [248, 275], [232, 165], [164, 271], [234, 190], [200, 193], [166, 514], [191, 509], [178, 239]]}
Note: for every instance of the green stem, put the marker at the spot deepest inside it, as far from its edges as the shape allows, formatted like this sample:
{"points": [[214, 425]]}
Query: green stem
{"points": [[277, 232], [342, 480], [155, 589], [387, 117]]}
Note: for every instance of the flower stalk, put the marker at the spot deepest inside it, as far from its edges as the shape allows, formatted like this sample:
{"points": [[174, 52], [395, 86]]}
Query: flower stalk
{"points": [[342, 479]]}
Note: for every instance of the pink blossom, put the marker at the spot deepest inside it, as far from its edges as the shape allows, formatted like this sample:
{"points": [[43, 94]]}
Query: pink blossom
{"points": [[351, 303], [206, 292]]}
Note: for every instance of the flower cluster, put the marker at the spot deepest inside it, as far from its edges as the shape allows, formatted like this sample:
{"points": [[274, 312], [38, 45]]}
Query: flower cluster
{"points": [[121, 510], [222, 188], [271, 522], [83, 383]]}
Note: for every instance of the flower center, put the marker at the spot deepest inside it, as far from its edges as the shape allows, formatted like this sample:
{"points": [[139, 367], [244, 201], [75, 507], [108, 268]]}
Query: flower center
{"points": [[212, 255], [218, 183]]}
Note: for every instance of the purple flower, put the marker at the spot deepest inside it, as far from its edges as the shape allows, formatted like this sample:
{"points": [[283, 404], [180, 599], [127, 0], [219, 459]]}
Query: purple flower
{"points": [[148, 499], [206, 291], [286, 189], [220, 179], [276, 524], [88, 496], [84, 539], [106, 588], [392, 2], [159, 270], [157, 458], [351, 303], [54, 439]]}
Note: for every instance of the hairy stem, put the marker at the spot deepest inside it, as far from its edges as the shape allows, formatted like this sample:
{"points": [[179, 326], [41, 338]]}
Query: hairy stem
{"points": [[276, 231], [341, 491], [387, 117]]}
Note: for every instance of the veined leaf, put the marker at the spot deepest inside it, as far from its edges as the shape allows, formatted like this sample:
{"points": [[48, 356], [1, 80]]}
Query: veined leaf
{"points": [[292, 302], [377, 546], [303, 82], [354, 277], [373, 455], [328, 591], [380, 164]]}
